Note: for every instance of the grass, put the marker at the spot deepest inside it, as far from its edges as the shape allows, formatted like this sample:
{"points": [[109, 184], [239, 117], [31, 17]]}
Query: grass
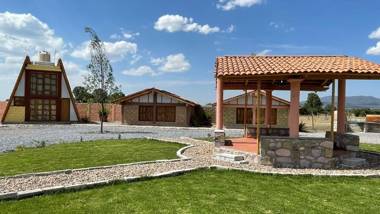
{"points": [[85, 154], [370, 147], [215, 191]]}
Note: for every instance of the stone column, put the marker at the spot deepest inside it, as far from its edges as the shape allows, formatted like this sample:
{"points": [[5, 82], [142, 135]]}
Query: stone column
{"points": [[293, 119], [341, 119], [268, 109]]}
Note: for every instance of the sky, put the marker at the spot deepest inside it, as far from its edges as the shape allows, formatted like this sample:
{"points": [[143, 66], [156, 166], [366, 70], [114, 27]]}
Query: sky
{"points": [[172, 45]]}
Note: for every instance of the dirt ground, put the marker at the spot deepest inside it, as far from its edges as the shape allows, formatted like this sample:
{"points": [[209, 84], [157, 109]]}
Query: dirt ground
{"points": [[322, 122]]}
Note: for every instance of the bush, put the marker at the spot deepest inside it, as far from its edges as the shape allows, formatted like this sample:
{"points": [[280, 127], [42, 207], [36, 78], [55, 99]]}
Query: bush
{"points": [[199, 118], [302, 127], [104, 114]]}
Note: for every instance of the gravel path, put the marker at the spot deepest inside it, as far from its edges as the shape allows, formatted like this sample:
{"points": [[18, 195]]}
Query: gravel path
{"points": [[200, 154], [12, 136]]}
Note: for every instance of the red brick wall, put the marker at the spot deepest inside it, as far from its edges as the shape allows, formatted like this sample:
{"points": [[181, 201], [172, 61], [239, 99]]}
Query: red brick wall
{"points": [[90, 112], [3, 105]]}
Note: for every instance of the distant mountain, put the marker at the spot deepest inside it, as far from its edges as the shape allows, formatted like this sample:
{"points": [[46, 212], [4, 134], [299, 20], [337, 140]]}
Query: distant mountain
{"points": [[357, 101]]}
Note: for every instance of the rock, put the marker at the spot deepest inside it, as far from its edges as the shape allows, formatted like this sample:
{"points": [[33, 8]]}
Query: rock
{"points": [[304, 163], [284, 160], [329, 153], [271, 153], [272, 146], [316, 165], [327, 144], [354, 162], [283, 152], [352, 148], [316, 152], [323, 160]]}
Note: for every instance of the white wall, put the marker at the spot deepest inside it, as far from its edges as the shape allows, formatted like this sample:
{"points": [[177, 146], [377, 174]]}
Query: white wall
{"points": [[20, 91]]}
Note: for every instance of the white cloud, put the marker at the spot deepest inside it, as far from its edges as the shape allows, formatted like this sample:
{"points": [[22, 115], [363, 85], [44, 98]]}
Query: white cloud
{"points": [[230, 29], [281, 27], [264, 52], [375, 50], [172, 63], [375, 34], [116, 51], [140, 71], [176, 23], [22, 34], [75, 73], [232, 4]]}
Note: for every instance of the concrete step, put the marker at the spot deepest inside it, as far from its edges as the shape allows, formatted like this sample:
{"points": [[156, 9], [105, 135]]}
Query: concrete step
{"points": [[230, 158], [354, 162]]}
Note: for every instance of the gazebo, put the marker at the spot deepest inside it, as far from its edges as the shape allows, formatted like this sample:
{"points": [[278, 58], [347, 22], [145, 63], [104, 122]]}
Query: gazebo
{"points": [[295, 74]]}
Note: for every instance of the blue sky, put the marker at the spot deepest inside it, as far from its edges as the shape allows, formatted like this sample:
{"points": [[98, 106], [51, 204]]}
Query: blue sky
{"points": [[173, 44]]}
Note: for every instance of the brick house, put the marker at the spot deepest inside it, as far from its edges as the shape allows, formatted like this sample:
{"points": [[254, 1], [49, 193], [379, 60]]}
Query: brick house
{"points": [[233, 114], [156, 107], [42, 93]]}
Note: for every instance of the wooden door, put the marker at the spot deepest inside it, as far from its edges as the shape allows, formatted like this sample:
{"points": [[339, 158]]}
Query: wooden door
{"points": [[65, 110]]}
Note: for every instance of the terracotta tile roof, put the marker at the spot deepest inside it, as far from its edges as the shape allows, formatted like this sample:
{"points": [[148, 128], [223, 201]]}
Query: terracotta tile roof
{"points": [[272, 65]]}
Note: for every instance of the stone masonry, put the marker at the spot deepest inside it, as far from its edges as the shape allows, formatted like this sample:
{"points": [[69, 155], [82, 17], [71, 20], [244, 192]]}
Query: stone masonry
{"points": [[285, 152], [347, 142]]}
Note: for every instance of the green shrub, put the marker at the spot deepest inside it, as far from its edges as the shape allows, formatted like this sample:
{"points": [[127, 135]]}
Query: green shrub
{"points": [[199, 118]]}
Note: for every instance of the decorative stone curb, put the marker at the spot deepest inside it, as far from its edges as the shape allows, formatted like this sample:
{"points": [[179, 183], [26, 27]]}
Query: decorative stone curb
{"points": [[76, 187], [276, 172]]}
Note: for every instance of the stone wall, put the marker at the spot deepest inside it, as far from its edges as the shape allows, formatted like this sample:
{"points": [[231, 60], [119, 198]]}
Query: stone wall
{"points": [[90, 112], [131, 117], [346, 141], [285, 152]]}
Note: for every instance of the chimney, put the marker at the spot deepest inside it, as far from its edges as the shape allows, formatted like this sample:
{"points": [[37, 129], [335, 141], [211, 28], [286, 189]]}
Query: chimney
{"points": [[44, 58]]}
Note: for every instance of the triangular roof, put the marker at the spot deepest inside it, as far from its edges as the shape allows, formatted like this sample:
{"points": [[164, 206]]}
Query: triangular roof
{"points": [[263, 93], [150, 90], [30, 66]]}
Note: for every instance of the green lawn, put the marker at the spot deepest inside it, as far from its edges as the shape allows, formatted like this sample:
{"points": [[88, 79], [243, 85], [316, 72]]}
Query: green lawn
{"points": [[215, 191], [370, 147], [85, 154]]}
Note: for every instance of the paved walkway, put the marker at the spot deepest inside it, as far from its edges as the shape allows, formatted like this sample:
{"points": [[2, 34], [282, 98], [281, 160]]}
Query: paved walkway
{"points": [[201, 156]]}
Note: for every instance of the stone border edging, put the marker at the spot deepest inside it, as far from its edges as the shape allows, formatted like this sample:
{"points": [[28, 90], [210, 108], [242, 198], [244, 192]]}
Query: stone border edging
{"points": [[294, 173], [56, 189], [179, 154]]}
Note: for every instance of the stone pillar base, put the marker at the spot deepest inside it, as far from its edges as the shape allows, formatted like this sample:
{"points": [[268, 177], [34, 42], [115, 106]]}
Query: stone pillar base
{"points": [[220, 137]]}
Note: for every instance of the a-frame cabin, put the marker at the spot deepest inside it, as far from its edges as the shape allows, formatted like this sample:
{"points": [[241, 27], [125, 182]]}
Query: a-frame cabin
{"points": [[42, 93]]}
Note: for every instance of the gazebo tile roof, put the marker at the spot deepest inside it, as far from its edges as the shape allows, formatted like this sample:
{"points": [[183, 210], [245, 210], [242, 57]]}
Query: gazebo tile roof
{"points": [[271, 65]]}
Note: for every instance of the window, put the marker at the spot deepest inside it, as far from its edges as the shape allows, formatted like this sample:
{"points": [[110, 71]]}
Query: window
{"points": [[240, 116], [19, 101], [145, 113], [273, 119], [166, 113], [43, 110], [42, 84]]}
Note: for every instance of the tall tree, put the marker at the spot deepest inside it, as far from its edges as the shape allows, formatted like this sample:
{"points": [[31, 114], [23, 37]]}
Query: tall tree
{"points": [[313, 105], [100, 78]]}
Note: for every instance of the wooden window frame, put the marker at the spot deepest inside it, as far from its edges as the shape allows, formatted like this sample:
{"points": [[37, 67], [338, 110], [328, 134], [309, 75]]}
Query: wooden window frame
{"points": [[240, 116], [143, 109], [168, 116]]}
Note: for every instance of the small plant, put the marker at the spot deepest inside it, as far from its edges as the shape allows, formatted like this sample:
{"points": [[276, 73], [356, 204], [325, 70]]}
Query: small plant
{"points": [[39, 143], [302, 127], [103, 114], [20, 148]]}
